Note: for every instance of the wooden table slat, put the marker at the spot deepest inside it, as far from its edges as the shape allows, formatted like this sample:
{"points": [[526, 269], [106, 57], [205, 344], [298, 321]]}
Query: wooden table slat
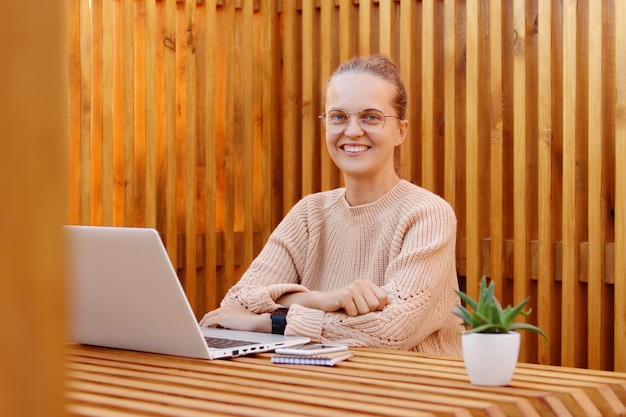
{"points": [[291, 376], [117, 383], [231, 391]]}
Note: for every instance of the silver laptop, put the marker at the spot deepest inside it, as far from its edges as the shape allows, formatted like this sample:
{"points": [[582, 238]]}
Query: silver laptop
{"points": [[124, 293]]}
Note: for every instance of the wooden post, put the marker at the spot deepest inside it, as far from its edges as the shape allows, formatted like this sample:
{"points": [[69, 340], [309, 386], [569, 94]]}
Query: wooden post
{"points": [[33, 200]]}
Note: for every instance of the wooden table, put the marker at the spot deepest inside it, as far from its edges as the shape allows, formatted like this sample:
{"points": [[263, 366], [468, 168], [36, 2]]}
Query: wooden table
{"points": [[109, 383]]}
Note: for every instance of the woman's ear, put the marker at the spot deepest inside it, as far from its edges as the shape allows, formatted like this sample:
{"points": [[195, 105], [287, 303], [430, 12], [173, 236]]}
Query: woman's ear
{"points": [[403, 126]]}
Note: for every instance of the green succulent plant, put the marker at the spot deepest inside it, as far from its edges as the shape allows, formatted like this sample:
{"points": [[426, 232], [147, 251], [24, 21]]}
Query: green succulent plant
{"points": [[488, 316]]}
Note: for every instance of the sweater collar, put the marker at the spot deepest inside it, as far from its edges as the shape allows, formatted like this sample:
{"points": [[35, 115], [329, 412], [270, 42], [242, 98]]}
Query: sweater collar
{"points": [[371, 213]]}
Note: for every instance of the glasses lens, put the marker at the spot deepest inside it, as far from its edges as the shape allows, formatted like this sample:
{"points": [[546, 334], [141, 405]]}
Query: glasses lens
{"points": [[371, 120], [336, 121]]}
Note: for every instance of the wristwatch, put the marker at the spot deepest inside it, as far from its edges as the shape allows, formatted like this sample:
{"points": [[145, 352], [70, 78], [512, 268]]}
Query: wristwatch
{"points": [[279, 320]]}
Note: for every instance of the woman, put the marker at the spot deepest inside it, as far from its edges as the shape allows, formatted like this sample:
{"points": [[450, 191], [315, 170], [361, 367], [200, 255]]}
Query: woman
{"points": [[371, 264]]}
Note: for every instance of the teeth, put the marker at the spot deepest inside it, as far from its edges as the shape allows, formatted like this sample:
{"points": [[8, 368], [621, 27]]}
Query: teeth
{"points": [[350, 148]]}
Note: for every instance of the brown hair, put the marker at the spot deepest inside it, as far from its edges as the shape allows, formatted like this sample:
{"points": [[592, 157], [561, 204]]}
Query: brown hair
{"points": [[379, 66]]}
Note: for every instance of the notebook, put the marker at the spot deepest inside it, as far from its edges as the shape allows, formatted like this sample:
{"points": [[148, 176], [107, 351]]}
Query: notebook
{"points": [[323, 359], [124, 293]]}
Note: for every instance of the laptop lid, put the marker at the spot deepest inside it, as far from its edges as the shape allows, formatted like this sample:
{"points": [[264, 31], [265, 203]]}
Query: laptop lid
{"points": [[124, 293]]}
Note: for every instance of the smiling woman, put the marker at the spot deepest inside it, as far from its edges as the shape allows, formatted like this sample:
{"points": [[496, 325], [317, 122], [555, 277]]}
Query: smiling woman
{"points": [[371, 264], [374, 141]]}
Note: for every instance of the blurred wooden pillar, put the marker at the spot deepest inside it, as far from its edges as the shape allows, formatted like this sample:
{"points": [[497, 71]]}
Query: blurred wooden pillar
{"points": [[33, 109]]}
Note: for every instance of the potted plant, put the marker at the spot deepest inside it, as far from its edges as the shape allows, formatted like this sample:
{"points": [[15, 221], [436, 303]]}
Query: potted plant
{"points": [[491, 340]]}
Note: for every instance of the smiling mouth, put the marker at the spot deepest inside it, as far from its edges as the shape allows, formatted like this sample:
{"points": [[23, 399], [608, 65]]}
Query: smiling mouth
{"points": [[354, 149]]}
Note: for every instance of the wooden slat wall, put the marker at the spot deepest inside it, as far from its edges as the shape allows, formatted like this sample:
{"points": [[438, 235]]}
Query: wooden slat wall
{"points": [[199, 118]]}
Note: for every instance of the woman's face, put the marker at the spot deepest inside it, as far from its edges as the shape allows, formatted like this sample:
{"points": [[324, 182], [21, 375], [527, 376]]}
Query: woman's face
{"points": [[356, 152]]}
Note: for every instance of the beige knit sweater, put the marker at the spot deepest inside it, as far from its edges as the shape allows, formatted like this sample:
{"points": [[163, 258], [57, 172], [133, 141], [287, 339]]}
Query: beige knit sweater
{"points": [[404, 242]]}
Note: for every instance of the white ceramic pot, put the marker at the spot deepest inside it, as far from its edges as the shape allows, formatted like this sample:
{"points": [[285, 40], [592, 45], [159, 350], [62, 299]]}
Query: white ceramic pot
{"points": [[490, 358]]}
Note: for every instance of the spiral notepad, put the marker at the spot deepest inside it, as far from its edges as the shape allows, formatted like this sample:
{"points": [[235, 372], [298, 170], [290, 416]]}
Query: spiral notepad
{"points": [[328, 359]]}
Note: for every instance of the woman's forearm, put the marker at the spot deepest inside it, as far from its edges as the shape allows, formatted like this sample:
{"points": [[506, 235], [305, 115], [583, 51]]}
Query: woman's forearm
{"points": [[308, 299], [359, 297]]}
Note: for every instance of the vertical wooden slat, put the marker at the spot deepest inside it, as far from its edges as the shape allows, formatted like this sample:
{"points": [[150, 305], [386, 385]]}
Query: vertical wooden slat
{"points": [[210, 278], [86, 111], [186, 141], [311, 107], [598, 353], [271, 112], [229, 64], [449, 65], [108, 117], [345, 33], [328, 174], [96, 140], [139, 163], [106, 179], [428, 99], [181, 204], [290, 111], [531, 99], [249, 74], [545, 261], [119, 116], [472, 158], [160, 115], [74, 58], [571, 300], [385, 26], [608, 178], [520, 161], [151, 187], [171, 168], [497, 146], [407, 70], [191, 173], [258, 165], [365, 27], [620, 189], [165, 126], [128, 173], [201, 183]]}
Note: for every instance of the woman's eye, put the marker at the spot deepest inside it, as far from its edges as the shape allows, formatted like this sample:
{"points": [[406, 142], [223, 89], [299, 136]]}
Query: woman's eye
{"points": [[337, 117], [371, 118]]}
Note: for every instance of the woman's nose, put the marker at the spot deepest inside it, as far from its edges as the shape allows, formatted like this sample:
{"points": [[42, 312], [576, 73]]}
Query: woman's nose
{"points": [[353, 127]]}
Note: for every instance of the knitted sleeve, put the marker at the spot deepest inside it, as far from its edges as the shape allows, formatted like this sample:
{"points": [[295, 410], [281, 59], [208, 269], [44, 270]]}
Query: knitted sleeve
{"points": [[276, 270], [419, 279]]}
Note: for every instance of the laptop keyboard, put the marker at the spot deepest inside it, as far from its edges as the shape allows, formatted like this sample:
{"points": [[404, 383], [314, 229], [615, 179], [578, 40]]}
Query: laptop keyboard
{"points": [[217, 342]]}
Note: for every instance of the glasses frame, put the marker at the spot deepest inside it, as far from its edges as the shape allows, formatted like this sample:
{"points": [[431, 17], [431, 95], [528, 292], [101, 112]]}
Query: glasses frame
{"points": [[322, 117]]}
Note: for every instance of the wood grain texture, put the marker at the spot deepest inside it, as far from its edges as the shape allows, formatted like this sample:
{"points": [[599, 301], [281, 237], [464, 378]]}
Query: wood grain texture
{"points": [[547, 318], [620, 191], [372, 382]]}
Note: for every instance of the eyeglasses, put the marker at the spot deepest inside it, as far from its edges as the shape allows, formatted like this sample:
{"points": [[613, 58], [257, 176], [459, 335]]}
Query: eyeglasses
{"points": [[371, 120]]}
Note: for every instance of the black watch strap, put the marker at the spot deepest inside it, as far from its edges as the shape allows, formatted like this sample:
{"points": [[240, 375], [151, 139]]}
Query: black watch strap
{"points": [[279, 320]]}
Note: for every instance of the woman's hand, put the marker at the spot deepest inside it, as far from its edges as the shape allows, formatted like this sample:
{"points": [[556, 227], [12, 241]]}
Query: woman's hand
{"points": [[234, 316], [359, 297]]}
